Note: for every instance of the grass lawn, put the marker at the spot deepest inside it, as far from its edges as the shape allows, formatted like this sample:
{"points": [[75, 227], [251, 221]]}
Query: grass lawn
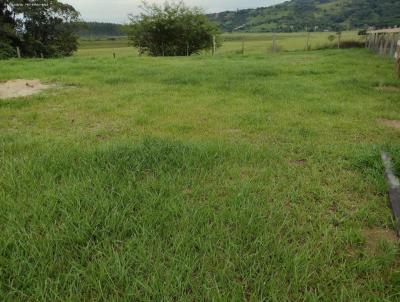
{"points": [[224, 178]]}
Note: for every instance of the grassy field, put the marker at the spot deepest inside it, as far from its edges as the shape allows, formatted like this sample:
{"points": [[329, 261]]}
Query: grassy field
{"points": [[224, 178], [232, 43]]}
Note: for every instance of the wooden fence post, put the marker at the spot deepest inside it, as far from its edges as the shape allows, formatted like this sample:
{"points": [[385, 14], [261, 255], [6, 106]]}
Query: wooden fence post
{"points": [[377, 43], [374, 42], [274, 43], [242, 46], [18, 53], [392, 45], [387, 41], [394, 189], [381, 44], [397, 58], [214, 46]]}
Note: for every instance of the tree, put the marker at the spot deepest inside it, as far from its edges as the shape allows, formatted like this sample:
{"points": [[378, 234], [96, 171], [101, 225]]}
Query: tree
{"points": [[171, 29], [8, 37], [39, 27]]}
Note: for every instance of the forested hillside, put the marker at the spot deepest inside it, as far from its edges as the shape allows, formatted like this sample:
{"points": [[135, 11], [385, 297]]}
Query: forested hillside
{"points": [[297, 15], [98, 29]]}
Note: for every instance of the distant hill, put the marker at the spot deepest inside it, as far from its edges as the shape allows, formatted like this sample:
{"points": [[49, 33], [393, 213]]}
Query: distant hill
{"points": [[296, 15], [98, 30]]}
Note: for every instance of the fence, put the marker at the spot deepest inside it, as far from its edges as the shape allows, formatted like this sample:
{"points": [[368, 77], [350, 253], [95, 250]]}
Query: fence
{"points": [[383, 41]]}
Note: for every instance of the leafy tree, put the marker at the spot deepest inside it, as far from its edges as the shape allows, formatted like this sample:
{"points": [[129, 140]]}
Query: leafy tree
{"points": [[171, 29], [48, 28], [8, 37], [39, 27]]}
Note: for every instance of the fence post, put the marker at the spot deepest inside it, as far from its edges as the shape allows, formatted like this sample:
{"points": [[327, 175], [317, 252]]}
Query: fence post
{"points": [[397, 57], [387, 40], [18, 53], [214, 46], [382, 45], [242, 46], [339, 38], [394, 189], [274, 43], [392, 45], [308, 41], [373, 46]]}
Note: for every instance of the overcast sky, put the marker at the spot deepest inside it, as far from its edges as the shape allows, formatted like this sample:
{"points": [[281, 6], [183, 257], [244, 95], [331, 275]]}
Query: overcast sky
{"points": [[117, 10]]}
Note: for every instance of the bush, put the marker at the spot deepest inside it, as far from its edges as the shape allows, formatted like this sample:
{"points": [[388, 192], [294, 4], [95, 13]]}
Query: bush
{"points": [[352, 44], [171, 30], [7, 51], [343, 45]]}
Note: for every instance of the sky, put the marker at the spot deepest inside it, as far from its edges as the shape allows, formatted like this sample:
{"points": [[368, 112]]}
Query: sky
{"points": [[116, 11]]}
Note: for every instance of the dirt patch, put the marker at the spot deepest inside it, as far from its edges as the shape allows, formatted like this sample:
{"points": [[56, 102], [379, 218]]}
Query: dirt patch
{"points": [[300, 162], [17, 88], [390, 123], [375, 235], [233, 131], [388, 88]]}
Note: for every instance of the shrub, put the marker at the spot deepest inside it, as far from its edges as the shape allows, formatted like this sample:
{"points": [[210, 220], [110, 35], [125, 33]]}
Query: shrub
{"points": [[6, 51], [171, 30], [352, 44], [343, 44]]}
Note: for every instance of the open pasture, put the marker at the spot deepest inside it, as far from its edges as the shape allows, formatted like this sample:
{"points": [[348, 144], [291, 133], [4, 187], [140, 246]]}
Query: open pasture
{"points": [[255, 43], [222, 178]]}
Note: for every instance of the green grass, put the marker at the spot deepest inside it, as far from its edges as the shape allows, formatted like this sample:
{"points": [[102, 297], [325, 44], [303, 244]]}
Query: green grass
{"points": [[103, 43], [260, 43], [222, 178]]}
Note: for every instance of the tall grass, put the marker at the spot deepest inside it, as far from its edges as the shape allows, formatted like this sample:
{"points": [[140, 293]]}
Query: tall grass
{"points": [[235, 177]]}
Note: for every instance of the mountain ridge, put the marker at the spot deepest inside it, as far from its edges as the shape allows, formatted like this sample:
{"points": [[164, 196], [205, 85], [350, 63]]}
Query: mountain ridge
{"points": [[299, 15]]}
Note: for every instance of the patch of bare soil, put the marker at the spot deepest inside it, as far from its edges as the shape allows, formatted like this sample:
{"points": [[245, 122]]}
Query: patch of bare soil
{"points": [[17, 88], [390, 123], [388, 88], [375, 235], [300, 162]]}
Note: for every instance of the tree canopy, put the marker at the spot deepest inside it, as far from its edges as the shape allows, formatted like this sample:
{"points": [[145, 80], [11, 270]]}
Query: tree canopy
{"points": [[171, 29], [38, 27]]}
